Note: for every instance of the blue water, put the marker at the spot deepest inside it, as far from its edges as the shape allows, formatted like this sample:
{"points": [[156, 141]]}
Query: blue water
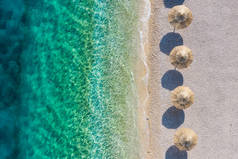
{"points": [[67, 84]]}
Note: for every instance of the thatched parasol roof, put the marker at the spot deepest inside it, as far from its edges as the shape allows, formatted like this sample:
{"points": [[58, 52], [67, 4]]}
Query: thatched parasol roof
{"points": [[182, 97], [181, 57], [180, 17], [185, 139]]}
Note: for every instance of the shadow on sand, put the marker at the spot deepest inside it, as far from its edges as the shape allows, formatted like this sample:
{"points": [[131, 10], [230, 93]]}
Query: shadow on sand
{"points": [[169, 41], [174, 153], [172, 79], [172, 3], [173, 118]]}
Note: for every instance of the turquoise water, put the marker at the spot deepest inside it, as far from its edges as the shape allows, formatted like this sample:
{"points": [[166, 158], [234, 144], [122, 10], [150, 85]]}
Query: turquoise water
{"points": [[74, 90]]}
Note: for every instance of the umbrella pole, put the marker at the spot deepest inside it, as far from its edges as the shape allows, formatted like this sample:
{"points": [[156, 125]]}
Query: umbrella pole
{"points": [[174, 30]]}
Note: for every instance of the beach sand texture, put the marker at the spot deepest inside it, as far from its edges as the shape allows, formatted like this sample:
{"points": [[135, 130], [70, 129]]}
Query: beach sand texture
{"points": [[213, 77]]}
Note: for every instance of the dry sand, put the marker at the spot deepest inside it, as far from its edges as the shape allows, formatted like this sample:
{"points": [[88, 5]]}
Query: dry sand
{"points": [[213, 76]]}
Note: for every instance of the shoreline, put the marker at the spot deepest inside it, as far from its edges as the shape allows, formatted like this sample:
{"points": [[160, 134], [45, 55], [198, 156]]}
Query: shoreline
{"points": [[142, 82], [149, 116]]}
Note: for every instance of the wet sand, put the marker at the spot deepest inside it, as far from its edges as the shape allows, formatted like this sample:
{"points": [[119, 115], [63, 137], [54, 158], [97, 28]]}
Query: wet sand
{"points": [[213, 76], [142, 76]]}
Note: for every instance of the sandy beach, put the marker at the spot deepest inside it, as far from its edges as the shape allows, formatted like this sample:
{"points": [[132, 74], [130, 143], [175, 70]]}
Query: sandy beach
{"points": [[213, 38], [153, 62], [142, 77]]}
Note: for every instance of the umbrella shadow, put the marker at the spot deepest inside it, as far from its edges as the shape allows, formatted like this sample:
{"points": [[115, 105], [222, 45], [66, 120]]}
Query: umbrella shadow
{"points": [[169, 41], [173, 118], [170, 4], [174, 153], [172, 79]]}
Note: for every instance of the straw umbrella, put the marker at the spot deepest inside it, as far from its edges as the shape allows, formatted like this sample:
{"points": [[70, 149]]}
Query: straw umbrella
{"points": [[180, 17], [182, 97], [185, 139], [181, 57]]}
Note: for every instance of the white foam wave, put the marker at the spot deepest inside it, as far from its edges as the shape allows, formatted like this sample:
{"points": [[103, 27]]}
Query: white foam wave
{"points": [[144, 40]]}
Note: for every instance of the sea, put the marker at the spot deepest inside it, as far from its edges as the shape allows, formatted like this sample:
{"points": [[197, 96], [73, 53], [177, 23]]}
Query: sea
{"points": [[67, 77]]}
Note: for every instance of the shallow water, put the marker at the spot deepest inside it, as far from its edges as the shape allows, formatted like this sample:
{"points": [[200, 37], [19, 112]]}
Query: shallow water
{"points": [[68, 88]]}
